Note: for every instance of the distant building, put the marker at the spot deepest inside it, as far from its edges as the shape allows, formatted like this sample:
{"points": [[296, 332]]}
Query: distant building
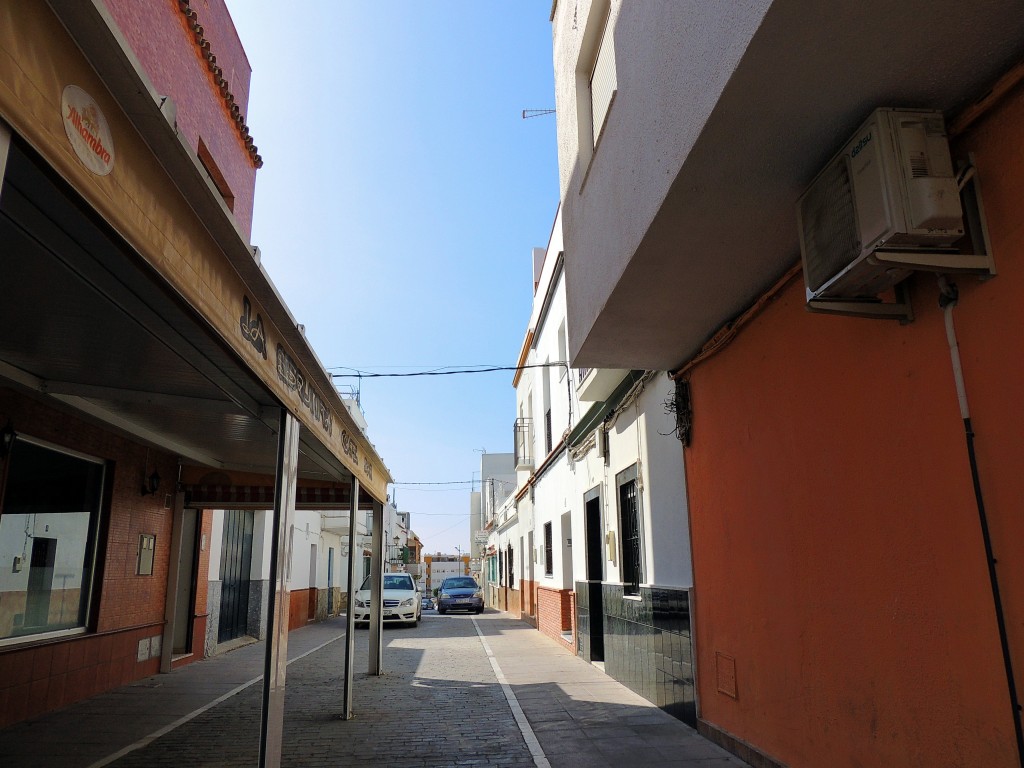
{"points": [[497, 482], [439, 567]]}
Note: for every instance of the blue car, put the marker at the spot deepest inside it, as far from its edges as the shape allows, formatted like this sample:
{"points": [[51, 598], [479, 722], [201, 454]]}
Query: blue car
{"points": [[460, 593]]}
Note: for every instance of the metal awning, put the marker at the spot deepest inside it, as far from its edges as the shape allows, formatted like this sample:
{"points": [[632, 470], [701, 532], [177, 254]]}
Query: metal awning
{"points": [[89, 326]]}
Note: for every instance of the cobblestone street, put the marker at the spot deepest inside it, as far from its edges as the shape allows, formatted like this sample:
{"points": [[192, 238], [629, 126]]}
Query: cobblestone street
{"points": [[458, 691]]}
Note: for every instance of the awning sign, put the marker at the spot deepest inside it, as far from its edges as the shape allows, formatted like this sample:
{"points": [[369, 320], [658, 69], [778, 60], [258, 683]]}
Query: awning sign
{"points": [[87, 130]]}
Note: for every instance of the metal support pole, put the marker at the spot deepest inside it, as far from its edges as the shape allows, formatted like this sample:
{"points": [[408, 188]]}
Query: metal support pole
{"points": [[377, 592], [350, 619], [276, 658]]}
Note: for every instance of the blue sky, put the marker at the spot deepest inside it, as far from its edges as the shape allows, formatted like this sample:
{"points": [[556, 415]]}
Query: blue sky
{"points": [[401, 196]]}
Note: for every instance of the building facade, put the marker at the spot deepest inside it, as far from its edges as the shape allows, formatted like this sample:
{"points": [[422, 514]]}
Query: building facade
{"points": [[852, 481], [149, 372], [438, 567], [593, 547]]}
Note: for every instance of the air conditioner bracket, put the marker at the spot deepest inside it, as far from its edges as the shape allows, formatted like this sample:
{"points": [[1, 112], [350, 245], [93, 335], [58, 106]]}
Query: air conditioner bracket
{"points": [[900, 309], [943, 261]]}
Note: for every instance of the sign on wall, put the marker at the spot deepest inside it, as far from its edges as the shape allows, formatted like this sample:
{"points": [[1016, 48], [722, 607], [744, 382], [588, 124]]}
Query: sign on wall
{"points": [[87, 130]]}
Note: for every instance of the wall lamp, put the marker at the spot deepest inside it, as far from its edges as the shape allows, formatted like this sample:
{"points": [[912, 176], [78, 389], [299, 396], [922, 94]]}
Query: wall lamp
{"points": [[151, 484], [7, 436]]}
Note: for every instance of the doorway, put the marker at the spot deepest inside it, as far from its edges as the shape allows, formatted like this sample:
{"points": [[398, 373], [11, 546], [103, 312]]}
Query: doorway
{"points": [[40, 582], [235, 564], [311, 612], [184, 604], [595, 571], [330, 581]]}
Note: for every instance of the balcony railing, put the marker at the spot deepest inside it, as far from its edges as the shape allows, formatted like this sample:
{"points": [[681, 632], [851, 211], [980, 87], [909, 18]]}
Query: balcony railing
{"points": [[581, 374], [522, 439]]}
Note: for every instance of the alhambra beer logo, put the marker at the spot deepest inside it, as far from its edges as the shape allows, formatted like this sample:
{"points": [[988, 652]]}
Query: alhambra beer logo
{"points": [[87, 130]]}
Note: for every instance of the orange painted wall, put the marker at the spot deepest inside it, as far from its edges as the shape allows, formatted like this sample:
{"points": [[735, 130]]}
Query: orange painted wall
{"points": [[837, 549]]}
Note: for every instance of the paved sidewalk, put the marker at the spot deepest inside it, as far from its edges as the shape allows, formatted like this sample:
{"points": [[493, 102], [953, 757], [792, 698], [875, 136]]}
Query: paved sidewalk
{"points": [[457, 691]]}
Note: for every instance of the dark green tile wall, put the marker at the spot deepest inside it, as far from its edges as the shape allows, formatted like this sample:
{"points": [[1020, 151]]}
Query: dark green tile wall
{"points": [[646, 644]]}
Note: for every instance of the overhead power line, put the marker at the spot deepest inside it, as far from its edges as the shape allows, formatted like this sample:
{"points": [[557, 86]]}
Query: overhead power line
{"points": [[448, 482], [486, 369]]}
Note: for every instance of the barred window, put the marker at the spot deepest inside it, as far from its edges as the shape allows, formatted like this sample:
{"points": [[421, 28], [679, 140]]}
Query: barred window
{"points": [[549, 566], [630, 524], [508, 562]]}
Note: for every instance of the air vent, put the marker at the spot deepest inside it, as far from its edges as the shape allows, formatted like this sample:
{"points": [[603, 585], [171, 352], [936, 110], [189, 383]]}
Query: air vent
{"points": [[828, 215]]}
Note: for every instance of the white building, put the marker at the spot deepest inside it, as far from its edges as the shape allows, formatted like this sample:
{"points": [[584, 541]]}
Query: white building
{"points": [[497, 482], [593, 546], [239, 575]]}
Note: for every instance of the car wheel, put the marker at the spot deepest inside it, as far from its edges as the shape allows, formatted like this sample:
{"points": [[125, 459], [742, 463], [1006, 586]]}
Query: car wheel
{"points": [[442, 611]]}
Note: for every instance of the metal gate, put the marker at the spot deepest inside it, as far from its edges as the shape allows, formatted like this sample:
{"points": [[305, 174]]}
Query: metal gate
{"points": [[235, 562]]}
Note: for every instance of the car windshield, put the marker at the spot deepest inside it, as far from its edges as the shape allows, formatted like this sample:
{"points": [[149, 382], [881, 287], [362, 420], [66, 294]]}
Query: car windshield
{"points": [[466, 583], [392, 581]]}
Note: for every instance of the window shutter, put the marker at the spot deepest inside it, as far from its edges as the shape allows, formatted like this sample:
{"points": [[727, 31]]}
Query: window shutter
{"points": [[602, 81]]}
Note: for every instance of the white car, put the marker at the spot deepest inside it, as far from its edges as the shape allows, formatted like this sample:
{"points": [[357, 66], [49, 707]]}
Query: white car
{"points": [[401, 600]]}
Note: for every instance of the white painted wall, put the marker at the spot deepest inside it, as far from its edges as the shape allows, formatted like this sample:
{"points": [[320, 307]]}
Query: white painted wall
{"points": [[640, 435], [666, 510], [670, 73], [262, 522], [216, 544]]}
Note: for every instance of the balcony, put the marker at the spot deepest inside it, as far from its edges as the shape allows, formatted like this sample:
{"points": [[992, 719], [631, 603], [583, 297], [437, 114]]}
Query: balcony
{"points": [[595, 385], [522, 439]]}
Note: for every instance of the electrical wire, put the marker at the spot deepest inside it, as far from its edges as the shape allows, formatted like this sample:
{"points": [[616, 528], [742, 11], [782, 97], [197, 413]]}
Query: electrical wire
{"points": [[442, 372], [447, 482]]}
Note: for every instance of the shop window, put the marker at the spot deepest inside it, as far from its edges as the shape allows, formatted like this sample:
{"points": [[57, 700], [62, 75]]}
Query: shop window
{"points": [[48, 532]]}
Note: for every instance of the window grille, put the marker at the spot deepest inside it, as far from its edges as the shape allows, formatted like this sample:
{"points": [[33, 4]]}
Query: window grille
{"points": [[549, 566], [629, 515]]}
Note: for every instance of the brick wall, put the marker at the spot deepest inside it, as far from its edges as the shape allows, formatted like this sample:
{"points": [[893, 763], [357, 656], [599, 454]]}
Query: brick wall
{"points": [[166, 48], [129, 609], [556, 613]]}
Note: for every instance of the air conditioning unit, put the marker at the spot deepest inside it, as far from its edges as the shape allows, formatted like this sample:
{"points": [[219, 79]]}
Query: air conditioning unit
{"points": [[887, 204]]}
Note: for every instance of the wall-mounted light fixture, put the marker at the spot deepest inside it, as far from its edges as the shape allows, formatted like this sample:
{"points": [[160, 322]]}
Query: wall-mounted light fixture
{"points": [[151, 484], [7, 436]]}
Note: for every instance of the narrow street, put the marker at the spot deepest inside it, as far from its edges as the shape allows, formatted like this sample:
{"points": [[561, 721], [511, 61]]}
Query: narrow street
{"points": [[458, 690]]}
